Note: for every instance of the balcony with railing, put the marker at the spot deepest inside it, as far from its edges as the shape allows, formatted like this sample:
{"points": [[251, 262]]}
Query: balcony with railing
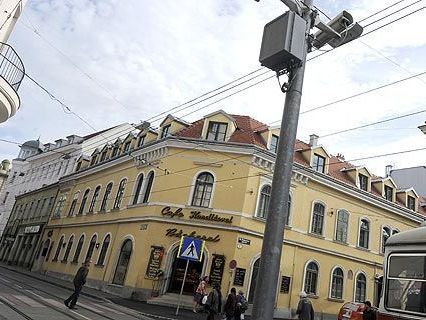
{"points": [[12, 71]]}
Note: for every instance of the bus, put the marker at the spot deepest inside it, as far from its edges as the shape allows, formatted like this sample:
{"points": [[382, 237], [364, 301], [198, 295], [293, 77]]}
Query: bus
{"points": [[403, 294]]}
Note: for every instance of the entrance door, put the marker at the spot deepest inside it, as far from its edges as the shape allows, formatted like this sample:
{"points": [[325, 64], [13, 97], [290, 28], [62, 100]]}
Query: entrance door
{"points": [[253, 281], [195, 270]]}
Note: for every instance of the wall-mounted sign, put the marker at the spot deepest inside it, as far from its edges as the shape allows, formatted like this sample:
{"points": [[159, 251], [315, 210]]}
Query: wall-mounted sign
{"points": [[173, 232], [154, 263], [239, 276], [244, 241], [216, 270], [32, 229], [285, 284], [144, 226], [195, 215]]}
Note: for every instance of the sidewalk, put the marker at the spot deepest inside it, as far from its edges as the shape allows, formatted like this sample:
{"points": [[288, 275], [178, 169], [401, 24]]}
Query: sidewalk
{"points": [[149, 310]]}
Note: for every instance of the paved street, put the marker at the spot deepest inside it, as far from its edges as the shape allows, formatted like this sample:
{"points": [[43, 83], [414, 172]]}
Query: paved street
{"points": [[23, 297]]}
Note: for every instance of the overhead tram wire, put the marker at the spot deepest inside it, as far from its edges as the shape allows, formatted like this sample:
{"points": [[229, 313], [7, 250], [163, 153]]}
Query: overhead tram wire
{"points": [[381, 10]]}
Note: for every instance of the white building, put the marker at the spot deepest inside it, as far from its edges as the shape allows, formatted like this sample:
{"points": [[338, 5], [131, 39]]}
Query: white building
{"points": [[40, 164], [12, 69]]}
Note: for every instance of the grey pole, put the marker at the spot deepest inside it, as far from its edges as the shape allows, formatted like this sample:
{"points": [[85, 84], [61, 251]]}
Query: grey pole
{"points": [[266, 287]]}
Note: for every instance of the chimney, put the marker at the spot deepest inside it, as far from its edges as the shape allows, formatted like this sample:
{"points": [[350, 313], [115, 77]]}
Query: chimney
{"points": [[313, 140], [340, 157], [388, 170]]}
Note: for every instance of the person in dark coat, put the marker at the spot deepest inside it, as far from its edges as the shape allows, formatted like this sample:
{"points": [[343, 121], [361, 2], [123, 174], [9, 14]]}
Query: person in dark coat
{"points": [[231, 305], [368, 313], [305, 311], [242, 306], [79, 281], [214, 302]]}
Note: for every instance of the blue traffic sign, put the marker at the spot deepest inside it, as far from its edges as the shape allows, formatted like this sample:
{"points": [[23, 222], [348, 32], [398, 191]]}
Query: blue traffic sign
{"points": [[191, 249]]}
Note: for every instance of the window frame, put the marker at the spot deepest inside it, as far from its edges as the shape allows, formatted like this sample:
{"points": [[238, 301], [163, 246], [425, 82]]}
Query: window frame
{"points": [[119, 196], [105, 198], [83, 202], [411, 204], [73, 204], [363, 178], [317, 280], [59, 248], [205, 187], [274, 146], [104, 252], [78, 248], [95, 197], [264, 201], [332, 282], [386, 189], [138, 190], [147, 190], [316, 163], [165, 131], [91, 247], [68, 248], [217, 133], [311, 227], [361, 273], [346, 227], [359, 233], [382, 237]]}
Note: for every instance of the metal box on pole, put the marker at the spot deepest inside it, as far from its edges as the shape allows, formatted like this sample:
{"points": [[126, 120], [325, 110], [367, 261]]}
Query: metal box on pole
{"points": [[283, 42]]}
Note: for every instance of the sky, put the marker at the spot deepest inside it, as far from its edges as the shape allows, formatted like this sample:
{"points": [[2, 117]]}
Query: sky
{"points": [[114, 61]]}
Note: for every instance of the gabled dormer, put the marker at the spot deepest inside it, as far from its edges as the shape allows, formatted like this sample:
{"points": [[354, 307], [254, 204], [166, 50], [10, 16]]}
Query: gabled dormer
{"points": [[386, 187], [272, 137], [94, 157], [409, 198], [316, 155], [82, 162], [170, 126], [116, 148], [360, 176], [105, 153], [218, 126], [128, 143]]}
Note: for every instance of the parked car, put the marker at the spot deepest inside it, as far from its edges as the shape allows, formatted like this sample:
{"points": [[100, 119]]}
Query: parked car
{"points": [[352, 311]]}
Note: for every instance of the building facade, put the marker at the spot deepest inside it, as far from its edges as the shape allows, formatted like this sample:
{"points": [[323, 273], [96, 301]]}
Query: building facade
{"points": [[41, 164], [12, 68], [21, 237], [128, 205]]}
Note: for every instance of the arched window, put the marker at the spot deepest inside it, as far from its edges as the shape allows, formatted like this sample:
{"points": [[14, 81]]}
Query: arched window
{"points": [[364, 233], [91, 248], [342, 226], [203, 190], [318, 219], [68, 250], [78, 249], [94, 199], [83, 201], [337, 284], [104, 249], [360, 289], [120, 194], [386, 233], [58, 249], [138, 190], [148, 187], [265, 197], [287, 219], [106, 197], [253, 281], [123, 263], [311, 278], [73, 203]]}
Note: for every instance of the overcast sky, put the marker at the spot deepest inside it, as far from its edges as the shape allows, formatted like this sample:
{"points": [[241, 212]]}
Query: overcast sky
{"points": [[126, 61]]}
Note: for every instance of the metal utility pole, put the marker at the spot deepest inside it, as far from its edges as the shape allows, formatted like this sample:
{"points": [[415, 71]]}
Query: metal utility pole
{"points": [[266, 286], [285, 45]]}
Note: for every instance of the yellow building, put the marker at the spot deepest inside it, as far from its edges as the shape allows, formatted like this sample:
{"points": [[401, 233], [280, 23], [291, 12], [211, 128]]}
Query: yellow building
{"points": [[128, 205]]}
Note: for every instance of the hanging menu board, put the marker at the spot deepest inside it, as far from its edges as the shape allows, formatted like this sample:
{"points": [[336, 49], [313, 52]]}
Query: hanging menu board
{"points": [[239, 277], [285, 284], [216, 270], [154, 262]]}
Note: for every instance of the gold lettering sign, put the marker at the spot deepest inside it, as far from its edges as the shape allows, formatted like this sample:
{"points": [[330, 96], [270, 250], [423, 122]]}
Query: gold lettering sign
{"points": [[173, 232], [195, 215]]}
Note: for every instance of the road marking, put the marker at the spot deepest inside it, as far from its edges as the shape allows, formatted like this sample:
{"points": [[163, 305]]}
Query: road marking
{"points": [[80, 315], [109, 309], [28, 301], [89, 307]]}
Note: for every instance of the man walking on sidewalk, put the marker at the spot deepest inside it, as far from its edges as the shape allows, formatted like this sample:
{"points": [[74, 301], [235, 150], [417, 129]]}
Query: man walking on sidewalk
{"points": [[79, 281]]}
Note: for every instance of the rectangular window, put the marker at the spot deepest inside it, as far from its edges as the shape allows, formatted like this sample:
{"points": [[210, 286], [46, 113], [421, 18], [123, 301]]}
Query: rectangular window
{"points": [[93, 161], [274, 143], [363, 182], [319, 163], [411, 203], [141, 141], [103, 155], [165, 132], [114, 152], [126, 147], [388, 193], [217, 131]]}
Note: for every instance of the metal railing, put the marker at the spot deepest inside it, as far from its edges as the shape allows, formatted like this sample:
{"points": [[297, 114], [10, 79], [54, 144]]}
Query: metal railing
{"points": [[11, 66]]}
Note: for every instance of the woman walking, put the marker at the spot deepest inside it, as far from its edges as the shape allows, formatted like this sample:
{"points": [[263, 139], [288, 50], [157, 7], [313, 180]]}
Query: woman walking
{"points": [[200, 293], [214, 303]]}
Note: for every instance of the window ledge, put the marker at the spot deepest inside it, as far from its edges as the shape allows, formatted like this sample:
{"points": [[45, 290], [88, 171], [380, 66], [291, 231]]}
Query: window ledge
{"points": [[335, 300], [340, 242], [198, 208], [315, 235], [64, 261], [74, 262], [363, 249], [312, 296], [137, 205], [115, 210]]}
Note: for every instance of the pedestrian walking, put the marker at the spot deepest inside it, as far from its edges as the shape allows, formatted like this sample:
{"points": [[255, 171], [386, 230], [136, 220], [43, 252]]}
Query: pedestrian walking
{"points": [[368, 313], [200, 292], [213, 304], [79, 281], [305, 311], [242, 306], [231, 305]]}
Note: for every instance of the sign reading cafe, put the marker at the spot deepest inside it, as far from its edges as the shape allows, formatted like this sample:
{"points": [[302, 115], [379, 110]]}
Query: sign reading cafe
{"points": [[195, 215]]}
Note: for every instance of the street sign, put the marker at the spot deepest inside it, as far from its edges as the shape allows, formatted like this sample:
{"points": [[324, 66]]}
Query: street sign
{"points": [[191, 249]]}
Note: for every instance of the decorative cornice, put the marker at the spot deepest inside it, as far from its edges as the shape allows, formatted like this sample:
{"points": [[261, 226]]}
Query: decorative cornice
{"points": [[149, 157]]}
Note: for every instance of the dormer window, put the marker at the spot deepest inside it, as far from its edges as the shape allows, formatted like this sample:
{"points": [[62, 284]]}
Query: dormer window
{"points": [[318, 163], [165, 132], [141, 141], [363, 182], [115, 151], [274, 143], [388, 193], [411, 203], [126, 147], [93, 161], [103, 155], [216, 131]]}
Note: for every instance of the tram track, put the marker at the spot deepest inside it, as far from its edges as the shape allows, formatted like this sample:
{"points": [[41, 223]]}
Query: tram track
{"points": [[16, 310]]}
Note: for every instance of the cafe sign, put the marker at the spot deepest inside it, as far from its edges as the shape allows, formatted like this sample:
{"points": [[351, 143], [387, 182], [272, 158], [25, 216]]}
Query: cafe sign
{"points": [[195, 215], [32, 229], [178, 233]]}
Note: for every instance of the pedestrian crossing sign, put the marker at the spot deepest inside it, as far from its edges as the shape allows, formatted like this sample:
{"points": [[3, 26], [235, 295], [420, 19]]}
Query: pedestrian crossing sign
{"points": [[191, 249]]}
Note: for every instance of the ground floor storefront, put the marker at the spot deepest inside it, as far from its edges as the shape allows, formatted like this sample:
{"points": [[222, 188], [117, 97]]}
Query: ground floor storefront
{"points": [[138, 259]]}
